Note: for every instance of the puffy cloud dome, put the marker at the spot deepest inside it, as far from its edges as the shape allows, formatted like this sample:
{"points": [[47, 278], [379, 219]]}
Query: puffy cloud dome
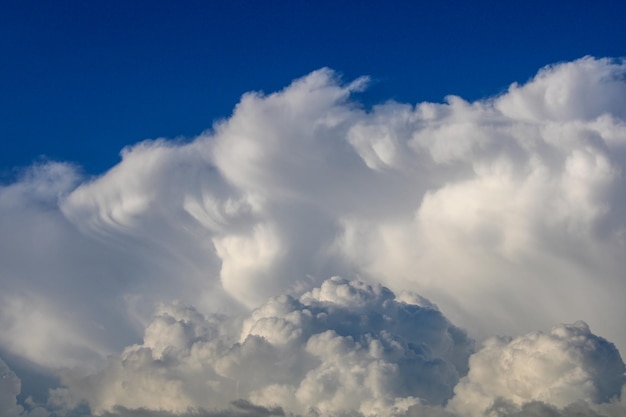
{"points": [[567, 365]]}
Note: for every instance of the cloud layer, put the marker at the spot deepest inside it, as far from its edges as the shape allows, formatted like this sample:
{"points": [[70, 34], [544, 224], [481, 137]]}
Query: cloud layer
{"points": [[508, 212]]}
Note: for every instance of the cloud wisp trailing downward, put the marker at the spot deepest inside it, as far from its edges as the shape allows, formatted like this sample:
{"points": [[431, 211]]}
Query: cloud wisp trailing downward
{"points": [[507, 212]]}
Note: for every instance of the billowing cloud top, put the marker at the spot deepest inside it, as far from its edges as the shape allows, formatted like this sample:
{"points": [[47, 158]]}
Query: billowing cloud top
{"points": [[507, 212], [341, 347]]}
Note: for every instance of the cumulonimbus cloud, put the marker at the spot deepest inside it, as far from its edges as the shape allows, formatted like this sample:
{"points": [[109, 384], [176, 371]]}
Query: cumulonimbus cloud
{"points": [[508, 212]]}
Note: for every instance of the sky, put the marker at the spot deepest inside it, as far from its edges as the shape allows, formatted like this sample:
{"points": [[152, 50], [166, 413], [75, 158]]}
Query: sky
{"points": [[81, 80], [312, 209]]}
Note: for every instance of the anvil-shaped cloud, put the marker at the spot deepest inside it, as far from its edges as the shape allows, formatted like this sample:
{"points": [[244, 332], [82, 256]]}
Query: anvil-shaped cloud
{"points": [[507, 212]]}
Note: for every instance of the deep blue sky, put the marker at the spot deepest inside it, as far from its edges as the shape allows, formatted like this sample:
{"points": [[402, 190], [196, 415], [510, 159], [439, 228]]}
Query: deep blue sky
{"points": [[79, 80]]}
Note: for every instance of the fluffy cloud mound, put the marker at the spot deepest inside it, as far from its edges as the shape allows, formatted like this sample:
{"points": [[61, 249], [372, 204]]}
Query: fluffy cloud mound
{"points": [[341, 347], [508, 212], [568, 365]]}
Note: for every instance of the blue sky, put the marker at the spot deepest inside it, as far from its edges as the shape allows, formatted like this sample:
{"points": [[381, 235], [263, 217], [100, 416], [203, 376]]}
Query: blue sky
{"points": [[81, 80]]}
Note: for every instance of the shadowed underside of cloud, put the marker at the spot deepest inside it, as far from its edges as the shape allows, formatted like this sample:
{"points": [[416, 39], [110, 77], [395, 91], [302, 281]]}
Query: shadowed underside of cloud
{"points": [[508, 212], [240, 408]]}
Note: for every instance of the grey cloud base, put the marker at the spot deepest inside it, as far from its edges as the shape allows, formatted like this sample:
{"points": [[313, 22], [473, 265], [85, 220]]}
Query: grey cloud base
{"points": [[507, 212]]}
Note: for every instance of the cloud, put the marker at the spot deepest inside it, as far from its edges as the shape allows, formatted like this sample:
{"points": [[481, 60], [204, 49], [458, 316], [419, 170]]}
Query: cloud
{"points": [[508, 212], [344, 346], [10, 386], [568, 365], [239, 408], [582, 90], [349, 348], [48, 271]]}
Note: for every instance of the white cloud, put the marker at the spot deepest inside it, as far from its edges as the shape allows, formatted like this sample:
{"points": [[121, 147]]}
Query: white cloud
{"points": [[507, 212], [341, 347], [582, 90], [568, 365]]}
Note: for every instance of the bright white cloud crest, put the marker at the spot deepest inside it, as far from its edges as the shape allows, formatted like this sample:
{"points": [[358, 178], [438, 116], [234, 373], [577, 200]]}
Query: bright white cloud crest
{"points": [[507, 212]]}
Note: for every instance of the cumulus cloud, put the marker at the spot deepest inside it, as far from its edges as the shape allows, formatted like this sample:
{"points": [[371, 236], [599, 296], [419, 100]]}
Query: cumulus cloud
{"points": [[349, 348], [508, 212], [344, 346], [568, 365]]}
